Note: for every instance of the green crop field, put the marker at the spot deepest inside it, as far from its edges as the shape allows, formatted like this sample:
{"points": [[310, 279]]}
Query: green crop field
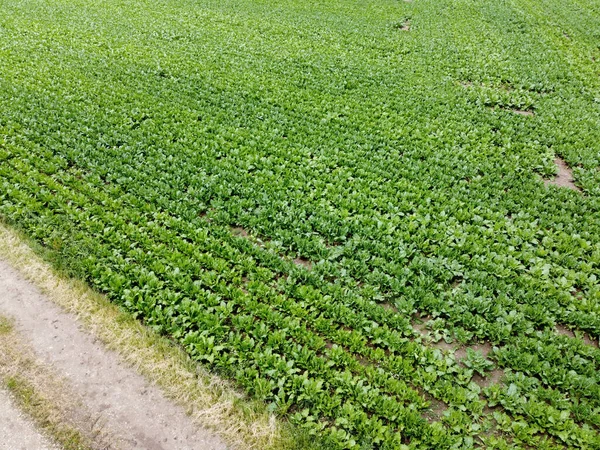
{"points": [[345, 206]]}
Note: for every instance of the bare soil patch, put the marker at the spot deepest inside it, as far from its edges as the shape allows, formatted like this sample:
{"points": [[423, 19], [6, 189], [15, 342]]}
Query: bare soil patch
{"points": [[561, 329], [443, 345], [456, 282], [564, 177], [485, 348], [591, 341], [403, 25], [436, 410], [523, 112], [389, 307], [586, 338], [492, 377], [303, 262], [421, 327]]}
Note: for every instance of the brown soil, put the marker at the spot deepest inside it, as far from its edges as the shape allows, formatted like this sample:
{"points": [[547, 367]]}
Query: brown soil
{"points": [[564, 177], [522, 112], [443, 345], [457, 282], [588, 340], [421, 328], [403, 26], [492, 377], [561, 329], [484, 348], [303, 262], [389, 307], [436, 410], [242, 232]]}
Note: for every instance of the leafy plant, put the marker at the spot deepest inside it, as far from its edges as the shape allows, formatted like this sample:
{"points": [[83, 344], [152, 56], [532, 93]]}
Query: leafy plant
{"points": [[477, 362]]}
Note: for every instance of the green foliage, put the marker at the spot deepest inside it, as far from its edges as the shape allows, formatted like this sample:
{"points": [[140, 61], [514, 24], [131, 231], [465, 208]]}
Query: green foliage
{"points": [[477, 362], [286, 188]]}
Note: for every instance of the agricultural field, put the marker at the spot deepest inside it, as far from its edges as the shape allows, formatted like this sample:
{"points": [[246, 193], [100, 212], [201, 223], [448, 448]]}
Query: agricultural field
{"points": [[348, 207]]}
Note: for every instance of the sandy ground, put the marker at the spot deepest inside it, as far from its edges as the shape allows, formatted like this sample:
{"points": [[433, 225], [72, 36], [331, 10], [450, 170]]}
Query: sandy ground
{"points": [[17, 432], [134, 413]]}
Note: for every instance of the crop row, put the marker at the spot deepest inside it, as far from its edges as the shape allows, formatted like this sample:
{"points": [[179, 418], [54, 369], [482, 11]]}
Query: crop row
{"points": [[151, 309]]}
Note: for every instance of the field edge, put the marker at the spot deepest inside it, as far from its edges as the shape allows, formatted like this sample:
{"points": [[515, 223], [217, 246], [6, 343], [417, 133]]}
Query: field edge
{"points": [[212, 402]]}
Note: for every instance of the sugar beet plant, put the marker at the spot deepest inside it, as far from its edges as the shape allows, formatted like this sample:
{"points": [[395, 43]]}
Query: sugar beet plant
{"points": [[338, 204]]}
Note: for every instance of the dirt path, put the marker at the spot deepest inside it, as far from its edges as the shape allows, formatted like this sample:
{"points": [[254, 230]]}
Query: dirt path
{"points": [[133, 413], [16, 431]]}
